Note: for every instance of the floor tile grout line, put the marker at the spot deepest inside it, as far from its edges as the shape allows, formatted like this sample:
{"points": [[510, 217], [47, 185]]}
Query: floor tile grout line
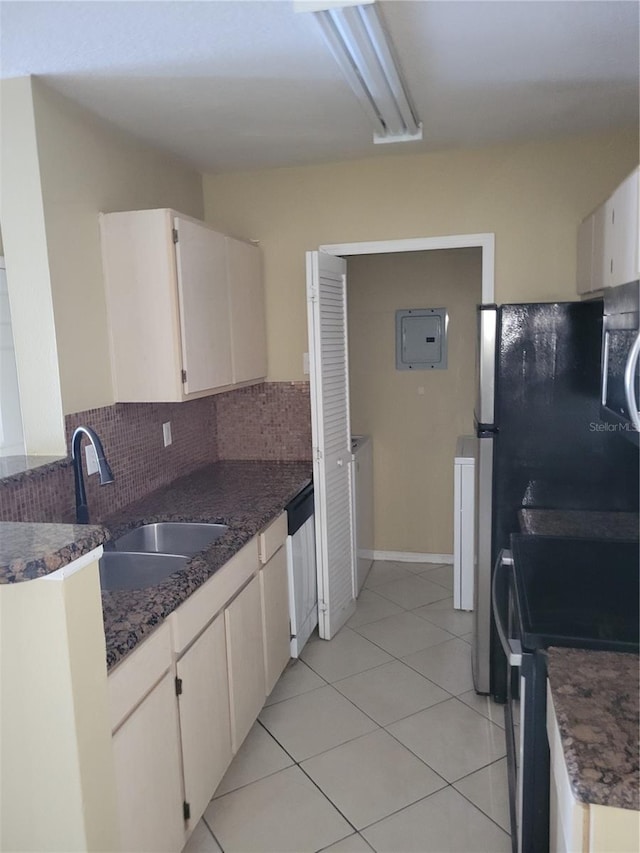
{"points": [[422, 799], [484, 767], [327, 797], [367, 669], [484, 716], [426, 619], [311, 689], [395, 811], [435, 705], [408, 806], [323, 849], [215, 837], [476, 806], [426, 604], [451, 637], [415, 754]]}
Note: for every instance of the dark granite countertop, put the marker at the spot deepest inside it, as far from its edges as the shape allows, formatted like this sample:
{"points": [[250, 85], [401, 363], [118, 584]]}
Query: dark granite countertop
{"points": [[588, 524], [596, 700], [244, 495], [29, 550]]}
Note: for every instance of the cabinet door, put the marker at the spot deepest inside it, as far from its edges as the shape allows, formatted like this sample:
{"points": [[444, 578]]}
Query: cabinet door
{"points": [[203, 292], [147, 761], [204, 717], [599, 259], [275, 614], [624, 227], [142, 306], [246, 293], [585, 256], [245, 657]]}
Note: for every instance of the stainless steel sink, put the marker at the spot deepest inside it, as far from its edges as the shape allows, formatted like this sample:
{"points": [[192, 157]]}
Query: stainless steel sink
{"points": [[125, 570], [171, 537]]}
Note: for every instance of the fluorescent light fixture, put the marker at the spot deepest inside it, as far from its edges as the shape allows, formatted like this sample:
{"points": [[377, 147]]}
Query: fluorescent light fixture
{"points": [[359, 42]]}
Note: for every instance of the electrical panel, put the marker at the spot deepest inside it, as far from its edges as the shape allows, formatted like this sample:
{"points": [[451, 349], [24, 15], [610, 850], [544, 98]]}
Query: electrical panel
{"points": [[421, 339]]}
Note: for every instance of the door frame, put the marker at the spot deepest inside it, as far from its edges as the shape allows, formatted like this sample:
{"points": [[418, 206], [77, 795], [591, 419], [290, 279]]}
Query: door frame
{"points": [[485, 241]]}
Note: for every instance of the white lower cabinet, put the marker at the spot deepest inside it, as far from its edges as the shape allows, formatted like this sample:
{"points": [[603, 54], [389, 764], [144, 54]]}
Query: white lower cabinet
{"points": [[148, 778], [245, 658], [185, 699], [577, 827], [203, 702], [275, 617]]}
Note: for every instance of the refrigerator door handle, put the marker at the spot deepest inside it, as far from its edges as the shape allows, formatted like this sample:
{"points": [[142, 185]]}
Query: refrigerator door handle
{"points": [[512, 648], [629, 383], [486, 356], [605, 368]]}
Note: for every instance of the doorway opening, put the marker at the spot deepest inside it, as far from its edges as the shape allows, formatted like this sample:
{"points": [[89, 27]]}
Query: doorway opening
{"points": [[328, 274]]}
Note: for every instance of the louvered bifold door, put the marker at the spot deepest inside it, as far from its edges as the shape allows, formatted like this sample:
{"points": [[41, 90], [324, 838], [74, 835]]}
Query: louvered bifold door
{"points": [[329, 369]]}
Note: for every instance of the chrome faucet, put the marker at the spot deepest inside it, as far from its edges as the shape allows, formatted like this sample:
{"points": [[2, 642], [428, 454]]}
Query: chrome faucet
{"points": [[106, 475]]}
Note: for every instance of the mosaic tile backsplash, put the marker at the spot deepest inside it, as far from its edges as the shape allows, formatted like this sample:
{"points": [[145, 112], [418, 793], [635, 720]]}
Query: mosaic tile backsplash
{"points": [[269, 421]]}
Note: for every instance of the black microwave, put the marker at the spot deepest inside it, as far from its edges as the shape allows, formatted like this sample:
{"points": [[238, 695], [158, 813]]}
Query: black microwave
{"points": [[620, 355]]}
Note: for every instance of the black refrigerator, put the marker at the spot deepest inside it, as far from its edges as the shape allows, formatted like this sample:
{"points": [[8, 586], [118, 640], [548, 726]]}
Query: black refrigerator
{"points": [[541, 442]]}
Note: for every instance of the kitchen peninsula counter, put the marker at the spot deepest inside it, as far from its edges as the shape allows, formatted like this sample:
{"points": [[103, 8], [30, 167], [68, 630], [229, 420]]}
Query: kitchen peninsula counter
{"points": [[32, 550], [246, 496], [596, 702]]}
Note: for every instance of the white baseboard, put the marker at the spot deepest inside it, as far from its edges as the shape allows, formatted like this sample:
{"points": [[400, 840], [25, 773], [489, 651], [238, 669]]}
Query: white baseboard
{"points": [[411, 557]]}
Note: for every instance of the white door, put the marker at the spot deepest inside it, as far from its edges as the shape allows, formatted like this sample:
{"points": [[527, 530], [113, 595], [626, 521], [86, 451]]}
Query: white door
{"points": [[329, 374]]}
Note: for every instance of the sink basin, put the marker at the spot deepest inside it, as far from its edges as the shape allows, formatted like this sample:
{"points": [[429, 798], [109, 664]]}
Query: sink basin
{"points": [[171, 537], [125, 570]]}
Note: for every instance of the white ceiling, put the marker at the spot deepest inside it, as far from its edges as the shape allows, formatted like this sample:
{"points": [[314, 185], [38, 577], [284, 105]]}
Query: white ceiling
{"points": [[237, 84]]}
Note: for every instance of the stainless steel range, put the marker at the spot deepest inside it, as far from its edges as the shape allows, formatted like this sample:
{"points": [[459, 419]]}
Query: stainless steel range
{"points": [[554, 591]]}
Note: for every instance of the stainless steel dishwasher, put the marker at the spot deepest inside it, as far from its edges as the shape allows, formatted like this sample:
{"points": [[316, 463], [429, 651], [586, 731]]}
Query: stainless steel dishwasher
{"points": [[301, 566]]}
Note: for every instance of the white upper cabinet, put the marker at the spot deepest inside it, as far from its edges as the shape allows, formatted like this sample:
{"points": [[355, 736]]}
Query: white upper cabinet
{"points": [[185, 307], [246, 295], [203, 291], [608, 240], [622, 231], [584, 264]]}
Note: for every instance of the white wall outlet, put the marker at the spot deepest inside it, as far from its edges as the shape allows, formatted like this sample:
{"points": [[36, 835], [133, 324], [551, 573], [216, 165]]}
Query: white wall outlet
{"points": [[421, 390], [305, 363], [91, 459], [166, 433]]}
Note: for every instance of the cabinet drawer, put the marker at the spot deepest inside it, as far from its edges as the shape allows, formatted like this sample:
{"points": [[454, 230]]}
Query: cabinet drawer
{"points": [[273, 537], [200, 608], [138, 673]]}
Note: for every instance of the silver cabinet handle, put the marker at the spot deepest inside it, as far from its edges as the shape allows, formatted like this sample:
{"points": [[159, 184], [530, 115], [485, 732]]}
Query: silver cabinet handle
{"points": [[512, 648], [629, 382]]}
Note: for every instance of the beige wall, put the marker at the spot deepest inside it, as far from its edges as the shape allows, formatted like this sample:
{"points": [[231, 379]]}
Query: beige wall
{"points": [[531, 195], [86, 167], [74, 166], [28, 276], [414, 417]]}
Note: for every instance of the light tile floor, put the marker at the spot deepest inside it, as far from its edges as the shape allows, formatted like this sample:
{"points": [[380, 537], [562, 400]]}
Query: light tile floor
{"points": [[373, 741]]}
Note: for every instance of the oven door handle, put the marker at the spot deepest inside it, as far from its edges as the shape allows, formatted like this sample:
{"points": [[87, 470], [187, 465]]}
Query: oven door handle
{"points": [[512, 648]]}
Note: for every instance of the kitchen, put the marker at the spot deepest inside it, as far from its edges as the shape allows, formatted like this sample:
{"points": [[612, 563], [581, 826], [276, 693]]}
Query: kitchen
{"points": [[531, 194]]}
